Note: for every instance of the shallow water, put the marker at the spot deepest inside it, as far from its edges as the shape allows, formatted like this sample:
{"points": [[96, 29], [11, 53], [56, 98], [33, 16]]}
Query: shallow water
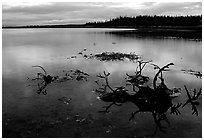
{"points": [[27, 114]]}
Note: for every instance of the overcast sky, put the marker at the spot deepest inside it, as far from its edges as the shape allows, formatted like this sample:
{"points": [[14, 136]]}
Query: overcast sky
{"points": [[70, 12]]}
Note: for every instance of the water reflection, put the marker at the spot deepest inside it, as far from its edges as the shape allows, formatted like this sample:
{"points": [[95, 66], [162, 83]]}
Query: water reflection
{"points": [[50, 48], [155, 34]]}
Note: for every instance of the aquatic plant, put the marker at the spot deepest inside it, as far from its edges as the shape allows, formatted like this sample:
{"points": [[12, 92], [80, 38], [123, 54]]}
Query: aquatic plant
{"points": [[116, 56], [77, 74], [108, 56]]}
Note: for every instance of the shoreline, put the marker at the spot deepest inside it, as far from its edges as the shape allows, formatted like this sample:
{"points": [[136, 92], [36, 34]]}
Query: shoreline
{"points": [[186, 32], [197, 28]]}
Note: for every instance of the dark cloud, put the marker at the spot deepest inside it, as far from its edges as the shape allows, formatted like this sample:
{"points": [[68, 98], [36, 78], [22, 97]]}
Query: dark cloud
{"points": [[70, 12]]}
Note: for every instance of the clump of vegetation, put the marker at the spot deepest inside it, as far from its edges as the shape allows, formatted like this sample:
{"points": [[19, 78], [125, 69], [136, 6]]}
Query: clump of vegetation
{"points": [[76, 75], [109, 56], [116, 56]]}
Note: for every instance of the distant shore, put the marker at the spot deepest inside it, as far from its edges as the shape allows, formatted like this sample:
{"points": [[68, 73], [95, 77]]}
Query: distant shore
{"points": [[189, 32], [99, 26]]}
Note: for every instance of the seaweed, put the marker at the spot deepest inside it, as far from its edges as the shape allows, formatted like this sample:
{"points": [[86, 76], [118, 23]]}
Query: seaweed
{"points": [[77, 74], [109, 56], [116, 56]]}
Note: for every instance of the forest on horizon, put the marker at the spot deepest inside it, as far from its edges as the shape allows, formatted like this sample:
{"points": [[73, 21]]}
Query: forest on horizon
{"points": [[146, 21], [136, 21]]}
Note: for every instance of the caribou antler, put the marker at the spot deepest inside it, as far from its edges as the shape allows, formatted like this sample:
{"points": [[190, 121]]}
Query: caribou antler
{"points": [[160, 71], [41, 68]]}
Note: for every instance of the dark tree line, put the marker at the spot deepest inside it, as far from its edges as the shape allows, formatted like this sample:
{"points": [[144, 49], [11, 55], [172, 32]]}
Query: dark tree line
{"points": [[147, 21]]}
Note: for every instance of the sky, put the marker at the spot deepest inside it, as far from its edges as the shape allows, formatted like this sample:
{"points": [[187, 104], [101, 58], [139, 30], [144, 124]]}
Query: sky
{"points": [[32, 13]]}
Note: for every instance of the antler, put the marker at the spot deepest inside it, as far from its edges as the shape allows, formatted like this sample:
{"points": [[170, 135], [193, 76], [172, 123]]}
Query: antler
{"points": [[41, 68], [192, 100], [160, 71]]}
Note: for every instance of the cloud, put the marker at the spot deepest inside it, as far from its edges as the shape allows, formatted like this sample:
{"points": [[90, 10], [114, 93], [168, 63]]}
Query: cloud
{"points": [[81, 12], [184, 8]]}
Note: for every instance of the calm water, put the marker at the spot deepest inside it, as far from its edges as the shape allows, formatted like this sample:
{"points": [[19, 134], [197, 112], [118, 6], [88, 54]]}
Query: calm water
{"points": [[27, 114]]}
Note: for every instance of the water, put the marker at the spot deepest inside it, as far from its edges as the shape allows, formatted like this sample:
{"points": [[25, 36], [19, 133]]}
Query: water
{"points": [[28, 114]]}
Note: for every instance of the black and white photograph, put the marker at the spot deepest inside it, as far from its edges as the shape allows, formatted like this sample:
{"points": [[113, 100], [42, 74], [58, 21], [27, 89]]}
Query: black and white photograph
{"points": [[94, 69]]}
